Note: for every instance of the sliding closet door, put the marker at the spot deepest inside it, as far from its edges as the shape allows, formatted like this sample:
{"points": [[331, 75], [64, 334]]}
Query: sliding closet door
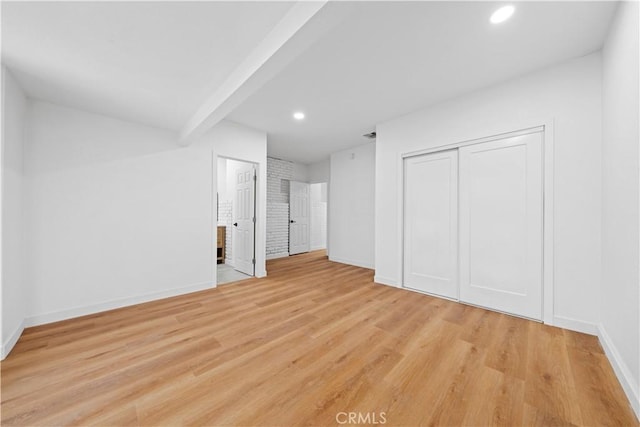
{"points": [[430, 235], [501, 225]]}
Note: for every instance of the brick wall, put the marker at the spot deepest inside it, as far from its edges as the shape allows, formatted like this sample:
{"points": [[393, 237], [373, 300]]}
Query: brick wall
{"points": [[279, 173]]}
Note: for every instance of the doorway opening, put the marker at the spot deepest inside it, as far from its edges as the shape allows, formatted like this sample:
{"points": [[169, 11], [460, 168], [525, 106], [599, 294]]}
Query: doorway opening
{"points": [[318, 196], [307, 217], [236, 220]]}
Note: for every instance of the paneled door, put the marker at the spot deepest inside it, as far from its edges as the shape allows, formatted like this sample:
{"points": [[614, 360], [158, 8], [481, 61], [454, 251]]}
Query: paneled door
{"points": [[431, 223], [244, 220], [299, 218], [501, 225]]}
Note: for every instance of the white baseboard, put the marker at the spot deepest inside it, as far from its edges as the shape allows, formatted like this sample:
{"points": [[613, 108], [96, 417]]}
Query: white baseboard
{"points": [[386, 281], [629, 385], [279, 255], [351, 262], [57, 316], [575, 325], [8, 345], [317, 248]]}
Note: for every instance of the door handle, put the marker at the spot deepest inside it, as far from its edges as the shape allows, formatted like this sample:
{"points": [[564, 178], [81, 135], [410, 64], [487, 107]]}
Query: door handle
{"points": [[292, 221], [235, 224]]}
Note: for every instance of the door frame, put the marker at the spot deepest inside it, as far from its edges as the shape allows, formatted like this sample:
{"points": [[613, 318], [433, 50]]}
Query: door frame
{"points": [[546, 128], [214, 208]]}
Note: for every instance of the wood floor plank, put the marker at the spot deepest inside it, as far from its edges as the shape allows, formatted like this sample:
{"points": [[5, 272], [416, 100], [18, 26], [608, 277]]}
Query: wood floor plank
{"points": [[549, 384], [309, 382], [582, 342], [509, 352], [454, 401], [608, 405], [313, 340], [536, 417], [506, 395]]}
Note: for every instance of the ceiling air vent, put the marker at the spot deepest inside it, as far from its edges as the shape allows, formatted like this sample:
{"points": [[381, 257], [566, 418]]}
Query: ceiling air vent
{"points": [[371, 135]]}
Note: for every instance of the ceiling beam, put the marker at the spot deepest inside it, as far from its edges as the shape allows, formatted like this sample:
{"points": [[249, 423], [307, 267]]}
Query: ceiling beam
{"points": [[305, 23]]}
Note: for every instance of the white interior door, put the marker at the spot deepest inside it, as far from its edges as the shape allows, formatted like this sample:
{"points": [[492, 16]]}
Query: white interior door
{"points": [[299, 231], [501, 229], [244, 214], [431, 223]]}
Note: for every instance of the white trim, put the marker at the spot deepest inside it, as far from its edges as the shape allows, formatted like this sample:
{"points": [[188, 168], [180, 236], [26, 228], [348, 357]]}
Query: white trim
{"points": [[317, 248], [621, 370], [57, 316], [492, 137], [352, 262], [278, 255], [575, 325], [8, 345], [547, 129], [213, 179], [386, 281], [548, 230], [400, 225]]}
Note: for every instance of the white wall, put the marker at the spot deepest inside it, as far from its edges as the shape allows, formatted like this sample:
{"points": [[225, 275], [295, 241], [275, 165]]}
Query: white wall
{"points": [[320, 171], [118, 213], [351, 206], [570, 94], [14, 105], [620, 291], [318, 217], [300, 172]]}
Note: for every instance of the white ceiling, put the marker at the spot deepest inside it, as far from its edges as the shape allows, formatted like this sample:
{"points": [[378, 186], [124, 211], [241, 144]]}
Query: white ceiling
{"points": [[149, 62], [158, 62], [390, 58]]}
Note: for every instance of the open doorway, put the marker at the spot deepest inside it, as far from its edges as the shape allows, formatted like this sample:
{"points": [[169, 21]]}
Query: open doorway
{"points": [[318, 202], [236, 213]]}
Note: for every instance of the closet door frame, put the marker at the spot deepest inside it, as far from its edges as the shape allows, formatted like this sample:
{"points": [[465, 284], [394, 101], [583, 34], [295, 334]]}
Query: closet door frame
{"points": [[546, 128]]}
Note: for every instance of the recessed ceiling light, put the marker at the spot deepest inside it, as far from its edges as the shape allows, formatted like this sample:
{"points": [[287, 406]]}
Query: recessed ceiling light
{"points": [[298, 115], [502, 14]]}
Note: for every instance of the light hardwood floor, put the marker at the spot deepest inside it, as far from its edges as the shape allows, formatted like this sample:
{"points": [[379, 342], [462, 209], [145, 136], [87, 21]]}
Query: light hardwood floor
{"points": [[312, 340]]}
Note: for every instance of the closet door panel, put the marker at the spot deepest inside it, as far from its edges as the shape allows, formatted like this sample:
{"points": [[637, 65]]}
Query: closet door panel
{"points": [[430, 235], [501, 232]]}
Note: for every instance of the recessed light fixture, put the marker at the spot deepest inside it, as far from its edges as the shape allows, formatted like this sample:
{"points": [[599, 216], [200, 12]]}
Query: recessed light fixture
{"points": [[502, 14], [298, 115]]}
